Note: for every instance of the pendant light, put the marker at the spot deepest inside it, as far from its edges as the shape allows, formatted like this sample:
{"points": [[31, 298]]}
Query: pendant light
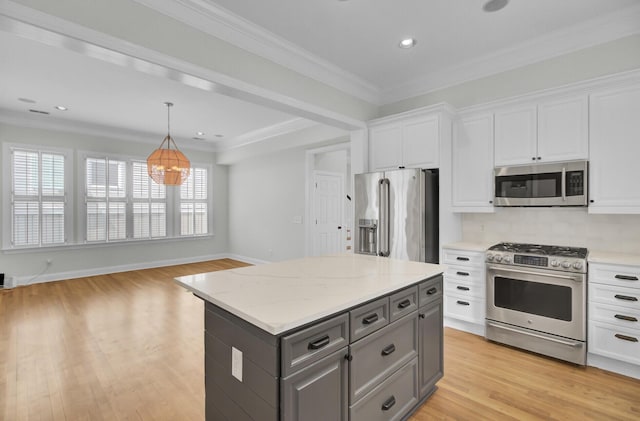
{"points": [[166, 165]]}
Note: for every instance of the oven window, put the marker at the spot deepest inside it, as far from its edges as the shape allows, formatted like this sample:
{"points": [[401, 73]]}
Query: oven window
{"points": [[537, 298]]}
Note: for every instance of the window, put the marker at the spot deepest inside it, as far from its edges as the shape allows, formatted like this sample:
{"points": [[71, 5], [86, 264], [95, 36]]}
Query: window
{"points": [[106, 199], [193, 203], [38, 198], [149, 204]]}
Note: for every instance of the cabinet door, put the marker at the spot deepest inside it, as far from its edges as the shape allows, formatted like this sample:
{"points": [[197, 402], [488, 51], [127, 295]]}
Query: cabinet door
{"points": [[318, 392], [430, 337], [473, 164], [386, 147], [563, 129], [515, 136], [615, 149], [421, 144]]}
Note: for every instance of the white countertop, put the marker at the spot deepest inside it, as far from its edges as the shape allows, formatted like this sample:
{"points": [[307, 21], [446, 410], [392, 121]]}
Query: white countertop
{"points": [[468, 246], [281, 296], [597, 256]]}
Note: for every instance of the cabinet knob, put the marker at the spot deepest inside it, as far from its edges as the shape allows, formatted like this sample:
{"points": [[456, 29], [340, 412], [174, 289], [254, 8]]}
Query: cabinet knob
{"points": [[533, 158], [490, 201], [591, 201], [539, 158]]}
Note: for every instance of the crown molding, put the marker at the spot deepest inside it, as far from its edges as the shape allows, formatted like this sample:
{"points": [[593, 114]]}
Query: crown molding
{"points": [[265, 133], [596, 31], [227, 26]]}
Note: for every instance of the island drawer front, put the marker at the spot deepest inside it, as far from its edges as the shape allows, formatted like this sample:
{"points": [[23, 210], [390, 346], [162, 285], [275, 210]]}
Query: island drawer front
{"points": [[309, 345], [368, 318], [378, 355], [430, 291], [403, 303], [390, 400]]}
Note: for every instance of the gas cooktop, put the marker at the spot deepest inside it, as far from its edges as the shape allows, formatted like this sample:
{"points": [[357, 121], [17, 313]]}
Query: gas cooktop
{"points": [[570, 259]]}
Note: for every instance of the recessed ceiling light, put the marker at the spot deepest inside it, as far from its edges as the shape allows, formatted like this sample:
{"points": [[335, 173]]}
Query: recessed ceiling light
{"points": [[61, 108], [200, 133], [494, 5], [407, 43], [27, 100]]}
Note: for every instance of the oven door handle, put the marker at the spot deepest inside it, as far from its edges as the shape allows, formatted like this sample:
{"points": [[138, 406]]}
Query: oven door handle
{"points": [[560, 341], [526, 272]]}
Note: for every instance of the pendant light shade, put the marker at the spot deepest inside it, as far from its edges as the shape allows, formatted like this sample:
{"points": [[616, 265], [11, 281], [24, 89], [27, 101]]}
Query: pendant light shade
{"points": [[167, 165]]}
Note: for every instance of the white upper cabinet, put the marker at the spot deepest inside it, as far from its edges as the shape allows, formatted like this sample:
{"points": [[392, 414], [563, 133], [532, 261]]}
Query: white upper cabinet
{"points": [[473, 164], [414, 143], [615, 151], [551, 131]]}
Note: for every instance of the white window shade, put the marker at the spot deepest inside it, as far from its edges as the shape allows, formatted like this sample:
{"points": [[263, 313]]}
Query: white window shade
{"points": [[193, 203], [106, 199], [149, 204]]}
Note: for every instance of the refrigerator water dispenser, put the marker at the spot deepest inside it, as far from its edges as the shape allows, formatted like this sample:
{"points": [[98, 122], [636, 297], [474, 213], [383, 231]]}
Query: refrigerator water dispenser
{"points": [[368, 235]]}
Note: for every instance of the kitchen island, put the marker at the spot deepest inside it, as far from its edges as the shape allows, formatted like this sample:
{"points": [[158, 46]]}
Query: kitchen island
{"points": [[328, 338]]}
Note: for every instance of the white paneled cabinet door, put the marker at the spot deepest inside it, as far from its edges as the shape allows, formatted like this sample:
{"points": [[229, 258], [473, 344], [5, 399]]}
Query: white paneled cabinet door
{"points": [[421, 144], [563, 129], [614, 127], [516, 136], [473, 164], [386, 146], [327, 238]]}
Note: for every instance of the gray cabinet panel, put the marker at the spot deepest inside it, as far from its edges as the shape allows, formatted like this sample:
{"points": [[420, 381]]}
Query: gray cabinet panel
{"points": [[403, 302], [368, 318], [392, 399], [378, 355], [317, 392], [313, 343], [430, 335], [430, 291]]}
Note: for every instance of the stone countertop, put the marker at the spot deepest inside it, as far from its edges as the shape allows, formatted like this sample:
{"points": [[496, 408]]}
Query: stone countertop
{"points": [[468, 246], [607, 257], [281, 296]]}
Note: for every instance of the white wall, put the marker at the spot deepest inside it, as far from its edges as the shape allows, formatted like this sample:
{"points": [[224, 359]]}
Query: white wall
{"points": [[265, 194], [572, 227], [81, 260]]}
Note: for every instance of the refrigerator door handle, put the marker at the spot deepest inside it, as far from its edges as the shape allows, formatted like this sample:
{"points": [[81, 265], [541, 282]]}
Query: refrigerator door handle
{"points": [[384, 217]]}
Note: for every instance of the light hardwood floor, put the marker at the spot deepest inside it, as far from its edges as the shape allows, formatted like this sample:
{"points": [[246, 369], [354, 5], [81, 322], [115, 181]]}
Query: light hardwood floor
{"points": [[129, 346]]}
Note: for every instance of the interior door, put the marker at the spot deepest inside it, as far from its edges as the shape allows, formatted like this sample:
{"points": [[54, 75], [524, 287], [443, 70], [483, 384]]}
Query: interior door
{"points": [[328, 209]]}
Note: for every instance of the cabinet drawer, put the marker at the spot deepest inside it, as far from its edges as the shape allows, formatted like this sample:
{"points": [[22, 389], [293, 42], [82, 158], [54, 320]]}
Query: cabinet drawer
{"points": [[430, 291], [390, 400], [368, 318], [615, 315], [623, 276], [614, 295], [375, 357], [313, 343], [465, 274], [464, 258], [463, 289], [403, 303], [470, 309], [614, 342]]}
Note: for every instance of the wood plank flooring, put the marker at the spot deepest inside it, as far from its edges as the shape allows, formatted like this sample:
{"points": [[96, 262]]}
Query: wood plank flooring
{"points": [[128, 346]]}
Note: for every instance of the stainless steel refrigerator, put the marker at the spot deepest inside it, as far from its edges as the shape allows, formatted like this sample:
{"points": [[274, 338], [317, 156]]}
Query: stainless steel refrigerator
{"points": [[396, 214]]}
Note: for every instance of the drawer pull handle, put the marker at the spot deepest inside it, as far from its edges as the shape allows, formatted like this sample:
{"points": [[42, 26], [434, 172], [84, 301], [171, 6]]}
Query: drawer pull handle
{"points": [[625, 297], [626, 338], [627, 318], [404, 304], [319, 343], [388, 350], [462, 303], [370, 319], [462, 273], [627, 278], [464, 259], [389, 403], [432, 291], [462, 288]]}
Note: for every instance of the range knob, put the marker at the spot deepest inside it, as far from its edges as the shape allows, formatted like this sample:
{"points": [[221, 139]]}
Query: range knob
{"points": [[566, 264], [506, 259], [489, 257], [497, 258], [555, 263], [577, 265]]}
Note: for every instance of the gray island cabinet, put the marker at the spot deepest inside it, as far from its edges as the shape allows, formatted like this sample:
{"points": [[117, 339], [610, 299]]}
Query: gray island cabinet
{"points": [[345, 337]]}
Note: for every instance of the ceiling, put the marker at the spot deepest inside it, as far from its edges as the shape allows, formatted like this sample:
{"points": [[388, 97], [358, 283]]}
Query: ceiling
{"points": [[355, 39]]}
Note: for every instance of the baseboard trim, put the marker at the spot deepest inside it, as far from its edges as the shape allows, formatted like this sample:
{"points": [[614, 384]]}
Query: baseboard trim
{"points": [[615, 366], [247, 259]]}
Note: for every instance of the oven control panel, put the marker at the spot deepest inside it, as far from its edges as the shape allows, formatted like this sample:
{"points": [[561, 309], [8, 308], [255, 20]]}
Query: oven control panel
{"points": [[523, 259], [566, 264]]}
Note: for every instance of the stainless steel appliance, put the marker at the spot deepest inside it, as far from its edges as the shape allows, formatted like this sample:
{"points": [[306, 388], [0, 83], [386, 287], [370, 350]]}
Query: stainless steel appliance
{"points": [[396, 213], [536, 299], [556, 184]]}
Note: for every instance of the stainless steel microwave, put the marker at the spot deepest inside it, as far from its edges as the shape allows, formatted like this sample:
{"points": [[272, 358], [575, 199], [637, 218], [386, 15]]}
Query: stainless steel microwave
{"points": [[554, 184]]}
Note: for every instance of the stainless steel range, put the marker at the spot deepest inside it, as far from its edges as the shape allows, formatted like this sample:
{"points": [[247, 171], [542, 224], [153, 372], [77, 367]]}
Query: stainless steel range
{"points": [[536, 299]]}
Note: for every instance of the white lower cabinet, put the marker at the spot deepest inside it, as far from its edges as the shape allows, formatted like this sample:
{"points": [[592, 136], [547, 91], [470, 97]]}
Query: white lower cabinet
{"points": [[614, 313], [464, 290]]}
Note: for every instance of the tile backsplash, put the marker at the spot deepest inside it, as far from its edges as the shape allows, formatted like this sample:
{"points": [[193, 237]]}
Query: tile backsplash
{"points": [[555, 226]]}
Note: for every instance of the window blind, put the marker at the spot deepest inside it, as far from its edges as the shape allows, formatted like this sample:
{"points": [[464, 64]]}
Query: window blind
{"points": [[194, 215]]}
